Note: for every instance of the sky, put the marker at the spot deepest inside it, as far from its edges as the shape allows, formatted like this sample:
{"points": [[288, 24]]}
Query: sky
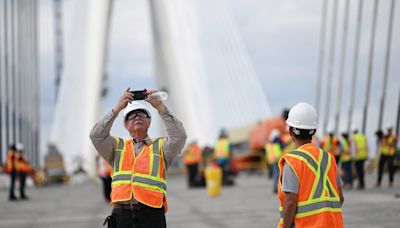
{"points": [[282, 39]]}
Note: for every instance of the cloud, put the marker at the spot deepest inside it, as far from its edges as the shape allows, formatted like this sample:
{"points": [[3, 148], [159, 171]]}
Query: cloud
{"points": [[282, 39]]}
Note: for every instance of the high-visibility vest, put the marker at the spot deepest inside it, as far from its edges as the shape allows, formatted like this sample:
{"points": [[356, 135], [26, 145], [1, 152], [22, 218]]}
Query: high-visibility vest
{"points": [[345, 155], [142, 177], [318, 201], [391, 141], [11, 161], [192, 155], [222, 149], [23, 164], [330, 145], [274, 152], [383, 146], [360, 143]]}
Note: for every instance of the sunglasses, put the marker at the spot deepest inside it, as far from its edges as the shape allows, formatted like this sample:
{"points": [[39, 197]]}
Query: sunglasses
{"points": [[133, 115]]}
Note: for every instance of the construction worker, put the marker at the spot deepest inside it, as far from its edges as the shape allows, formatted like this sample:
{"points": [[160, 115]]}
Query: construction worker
{"points": [[309, 188], [222, 155], [23, 169], [387, 149], [361, 153], [12, 157], [139, 185], [346, 161], [273, 151], [192, 160], [104, 171], [330, 144]]}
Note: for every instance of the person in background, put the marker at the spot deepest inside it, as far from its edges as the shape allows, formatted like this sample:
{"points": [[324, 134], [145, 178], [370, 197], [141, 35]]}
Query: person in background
{"points": [[23, 169], [192, 160], [223, 155], [346, 161], [309, 188], [12, 157], [360, 146], [273, 153], [387, 149], [104, 171], [330, 144]]}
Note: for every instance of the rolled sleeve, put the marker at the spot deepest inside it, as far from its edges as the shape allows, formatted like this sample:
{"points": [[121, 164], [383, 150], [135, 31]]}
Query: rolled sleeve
{"points": [[176, 138], [101, 138]]}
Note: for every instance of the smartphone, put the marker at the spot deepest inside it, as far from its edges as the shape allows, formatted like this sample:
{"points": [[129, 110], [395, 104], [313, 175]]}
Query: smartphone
{"points": [[139, 94]]}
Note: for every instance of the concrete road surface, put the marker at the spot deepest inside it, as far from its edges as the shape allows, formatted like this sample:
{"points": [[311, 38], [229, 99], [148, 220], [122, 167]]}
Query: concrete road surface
{"points": [[249, 204]]}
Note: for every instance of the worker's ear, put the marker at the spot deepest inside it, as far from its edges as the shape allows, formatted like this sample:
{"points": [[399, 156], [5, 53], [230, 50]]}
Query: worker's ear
{"points": [[291, 134], [125, 125]]}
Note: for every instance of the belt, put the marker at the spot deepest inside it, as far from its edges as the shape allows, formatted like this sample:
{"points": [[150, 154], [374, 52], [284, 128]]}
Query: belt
{"points": [[131, 206]]}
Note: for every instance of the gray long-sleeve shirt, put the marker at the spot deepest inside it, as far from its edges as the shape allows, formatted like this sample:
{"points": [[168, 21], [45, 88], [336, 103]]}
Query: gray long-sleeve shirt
{"points": [[105, 143]]}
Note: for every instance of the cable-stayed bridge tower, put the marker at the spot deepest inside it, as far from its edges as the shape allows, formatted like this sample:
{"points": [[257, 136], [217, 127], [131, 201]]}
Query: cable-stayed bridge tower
{"points": [[200, 59]]}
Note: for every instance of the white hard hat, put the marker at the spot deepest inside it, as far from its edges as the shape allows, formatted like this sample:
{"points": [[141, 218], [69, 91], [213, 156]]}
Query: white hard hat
{"points": [[303, 116], [19, 146], [389, 126], [273, 134], [135, 105], [354, 127]]}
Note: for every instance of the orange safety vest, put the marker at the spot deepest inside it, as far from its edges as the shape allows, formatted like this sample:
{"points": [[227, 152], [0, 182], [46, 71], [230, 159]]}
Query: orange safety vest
{"points": [[330, 145], [142, 177], [23, 164], [318, 201], [193, 155], [11, 161]]}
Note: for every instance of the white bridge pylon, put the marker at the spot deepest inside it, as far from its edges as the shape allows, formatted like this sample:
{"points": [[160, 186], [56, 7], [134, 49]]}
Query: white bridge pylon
{"points": [[200, 59]]}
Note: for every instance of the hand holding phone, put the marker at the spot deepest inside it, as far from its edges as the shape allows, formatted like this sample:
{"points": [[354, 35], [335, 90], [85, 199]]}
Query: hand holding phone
{"points": [[139, 94]]}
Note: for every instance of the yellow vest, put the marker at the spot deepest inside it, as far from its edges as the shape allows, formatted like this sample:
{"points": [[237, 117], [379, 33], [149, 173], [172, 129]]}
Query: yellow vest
{"points": [[345, 156], [274, 152], [222, 149], [361, 146]]}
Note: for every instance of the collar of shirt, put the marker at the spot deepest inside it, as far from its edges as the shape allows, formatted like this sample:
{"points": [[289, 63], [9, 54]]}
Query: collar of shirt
{"points": [[147, 140]]}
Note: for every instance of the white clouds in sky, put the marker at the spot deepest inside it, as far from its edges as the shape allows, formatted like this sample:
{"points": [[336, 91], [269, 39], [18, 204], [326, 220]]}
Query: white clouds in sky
{"points": [[282, 38]]}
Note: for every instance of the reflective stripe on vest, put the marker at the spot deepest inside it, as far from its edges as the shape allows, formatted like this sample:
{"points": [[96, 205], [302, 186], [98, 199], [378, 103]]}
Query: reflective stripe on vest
{"points": [[317, 201], [118, 154]]}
